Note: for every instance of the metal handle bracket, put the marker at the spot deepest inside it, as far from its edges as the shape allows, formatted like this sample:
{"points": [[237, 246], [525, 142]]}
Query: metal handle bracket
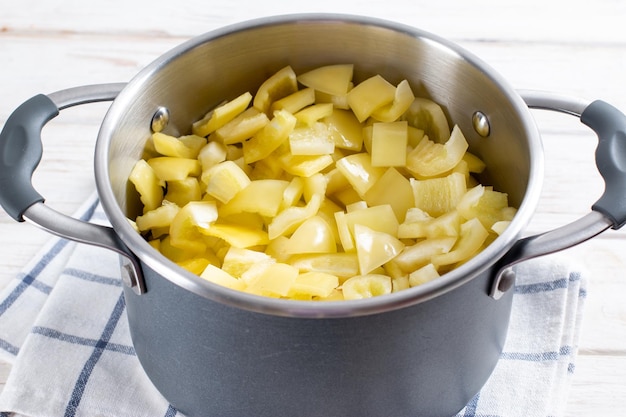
{"points": [[20, 153], [610, 125]]}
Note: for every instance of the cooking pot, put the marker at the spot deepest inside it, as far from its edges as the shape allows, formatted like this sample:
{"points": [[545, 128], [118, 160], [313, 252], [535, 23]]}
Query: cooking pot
{"points": [[213, 351]]}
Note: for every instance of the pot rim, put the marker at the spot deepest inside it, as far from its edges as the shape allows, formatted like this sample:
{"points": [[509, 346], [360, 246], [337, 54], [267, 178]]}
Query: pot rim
{"points": [[294, 308]]}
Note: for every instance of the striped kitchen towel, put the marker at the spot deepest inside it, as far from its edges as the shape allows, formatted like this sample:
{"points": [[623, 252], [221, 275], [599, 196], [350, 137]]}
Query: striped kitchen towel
{"points": [[63, 328]]}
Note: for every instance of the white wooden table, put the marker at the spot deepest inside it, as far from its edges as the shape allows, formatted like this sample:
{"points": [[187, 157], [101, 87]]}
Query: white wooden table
{"points": [[574, 47]]}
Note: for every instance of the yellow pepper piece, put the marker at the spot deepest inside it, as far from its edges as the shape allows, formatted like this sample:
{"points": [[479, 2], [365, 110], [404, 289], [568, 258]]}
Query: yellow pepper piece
{"points": [[500, 227], [273, 279], [184, 229], [305, 165], [260, 196], [220, 277], [369, 95], [183, 191], [346, 130], [239, 260], [401, 102], [330, 79], [236, 235], [290, 218], [389, 142], [437, 196], [474, 163], [313, 284], [263, 143], [314, 235], [194, 265], [428, 116], [423, 275], [378, 218], [399, 283], [336, 181], [311, 140], [279, 85], [183, 147], [484, 204], [225, 180], [242, 127], [295, 102], [340, 264], [429, 159], [416, 256], [312, 114], [169, 168], [359, 172], [394, 189], [221, 115], [160, 217], [212, 154], [374, 248], [366, 286], [148, 185], [473, 235]]}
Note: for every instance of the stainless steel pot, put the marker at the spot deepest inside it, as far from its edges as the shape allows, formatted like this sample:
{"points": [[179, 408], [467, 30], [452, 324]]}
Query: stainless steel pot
{"points": [[212, 351]]}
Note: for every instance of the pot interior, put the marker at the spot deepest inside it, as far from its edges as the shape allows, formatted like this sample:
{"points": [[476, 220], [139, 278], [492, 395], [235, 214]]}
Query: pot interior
{"points": [[195, 77]]}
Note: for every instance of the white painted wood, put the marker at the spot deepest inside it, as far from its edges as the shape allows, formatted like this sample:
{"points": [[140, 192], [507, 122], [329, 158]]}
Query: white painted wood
{"points": [[574, 47]]}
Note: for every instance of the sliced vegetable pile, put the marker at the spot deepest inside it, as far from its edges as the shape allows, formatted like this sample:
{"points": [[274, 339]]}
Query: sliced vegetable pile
{"points": [[318, 189]]}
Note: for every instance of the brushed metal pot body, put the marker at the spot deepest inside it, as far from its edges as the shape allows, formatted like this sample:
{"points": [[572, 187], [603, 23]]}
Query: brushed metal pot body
{"points": [[214, 352]]}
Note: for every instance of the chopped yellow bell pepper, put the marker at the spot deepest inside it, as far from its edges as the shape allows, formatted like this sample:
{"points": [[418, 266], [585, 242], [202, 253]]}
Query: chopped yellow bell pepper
{"points": [[370, 95], [402, 100], [148, 185], [276, 87], [169, 168], [221, 115], [366, 286], [329, 79], [314, 235], [263, 143], [389, 142], [224, 180]]}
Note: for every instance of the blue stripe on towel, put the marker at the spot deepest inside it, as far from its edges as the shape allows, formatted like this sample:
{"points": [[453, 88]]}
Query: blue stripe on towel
{"points": [[538, 356], [571, 367], [8, 347], [76, 340], [171, 412], [470, 408], [547, 286], [101, 344], [30, 278], [88, 276]]}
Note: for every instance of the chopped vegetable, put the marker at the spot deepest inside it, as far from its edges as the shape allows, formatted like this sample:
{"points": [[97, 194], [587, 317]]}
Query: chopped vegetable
{"points": [[318, 188]]}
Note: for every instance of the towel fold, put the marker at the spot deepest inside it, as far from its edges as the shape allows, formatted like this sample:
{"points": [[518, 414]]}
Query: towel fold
{"points": [[63, 327]]}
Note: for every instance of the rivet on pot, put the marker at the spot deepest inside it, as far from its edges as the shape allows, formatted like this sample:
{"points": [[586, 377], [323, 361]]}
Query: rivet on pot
{"points": [[481, 124], [160, 119], [130, 278]]}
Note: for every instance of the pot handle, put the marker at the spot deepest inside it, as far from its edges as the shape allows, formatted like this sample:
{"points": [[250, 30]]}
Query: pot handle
{"points": [[608, 212], [20, 153]]}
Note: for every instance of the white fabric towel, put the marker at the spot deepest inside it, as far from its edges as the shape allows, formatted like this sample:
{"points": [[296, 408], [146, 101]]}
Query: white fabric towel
{"points": [[63, 327]]}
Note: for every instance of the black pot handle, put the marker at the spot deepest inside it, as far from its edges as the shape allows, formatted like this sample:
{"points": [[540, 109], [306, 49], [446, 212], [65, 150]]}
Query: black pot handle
{"points": [[608, 212], [610, 125], [20, 153]]}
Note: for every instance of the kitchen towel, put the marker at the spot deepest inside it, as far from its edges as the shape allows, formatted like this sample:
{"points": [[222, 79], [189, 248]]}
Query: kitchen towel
{"points": [[64, 330]]}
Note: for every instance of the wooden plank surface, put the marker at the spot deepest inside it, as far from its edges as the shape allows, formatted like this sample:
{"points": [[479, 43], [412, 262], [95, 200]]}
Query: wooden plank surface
{"points": [[571, 47]]}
